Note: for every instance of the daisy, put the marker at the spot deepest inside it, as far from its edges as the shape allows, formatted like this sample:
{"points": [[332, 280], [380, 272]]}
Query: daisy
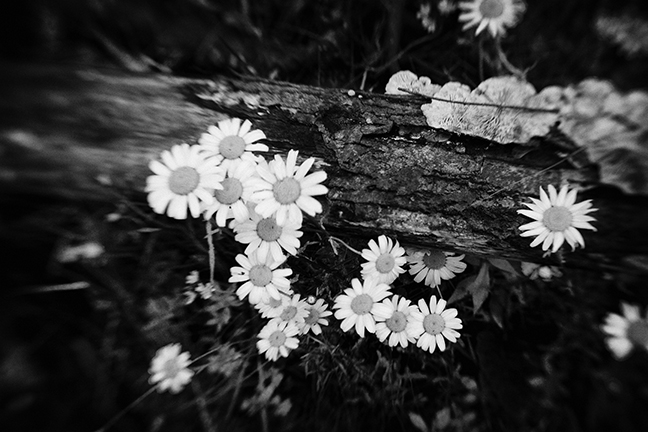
{"points": [[432, 324], [237, 188], [495, 15], [317, 313], [385, 260], [266, 235], [261, 276], [393, 320], [433, 265], [293, 310], [556, 218], [277, 338], [356, 307], [626, 331], [170, 369], [288, 190], [272, 307], [184, 179], [232, 141]]}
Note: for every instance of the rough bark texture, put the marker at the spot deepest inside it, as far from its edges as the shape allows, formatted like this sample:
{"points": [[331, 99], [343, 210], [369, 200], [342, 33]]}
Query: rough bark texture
{"points": [[62, 129]]}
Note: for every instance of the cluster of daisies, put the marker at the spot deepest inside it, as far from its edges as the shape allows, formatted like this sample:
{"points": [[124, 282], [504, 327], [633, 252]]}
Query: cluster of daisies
{"points": [[222, 178], [369, 306]]}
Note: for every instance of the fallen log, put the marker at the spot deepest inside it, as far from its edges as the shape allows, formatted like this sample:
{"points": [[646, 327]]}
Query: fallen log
{"points": [[69, 132]]}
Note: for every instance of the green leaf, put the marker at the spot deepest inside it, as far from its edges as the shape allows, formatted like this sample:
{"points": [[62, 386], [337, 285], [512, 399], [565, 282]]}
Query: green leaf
{"points": [[461, 290], [480, 287], [503, 265]]}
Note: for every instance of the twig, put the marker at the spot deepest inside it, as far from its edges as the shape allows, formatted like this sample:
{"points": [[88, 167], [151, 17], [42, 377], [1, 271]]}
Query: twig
{"points": [[485, 104], [121, 413], [331, 238]]}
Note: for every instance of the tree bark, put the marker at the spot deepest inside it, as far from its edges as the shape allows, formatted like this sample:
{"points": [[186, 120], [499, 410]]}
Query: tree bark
{"points": [[79, 133]]}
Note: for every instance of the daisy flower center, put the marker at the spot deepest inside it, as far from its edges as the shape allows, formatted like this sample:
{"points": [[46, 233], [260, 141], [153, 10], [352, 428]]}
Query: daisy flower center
{"points": [[268, 230], [231, 192], [232, 146], [260, 275], [638, 332], [171, 368], [491, 8], [385, 263], [288, 313], [397, 322], [557, 218], [313, 317], [361, 304], [286, 191], [433, 324], [434, 259], [184, 180], [277, 338]]}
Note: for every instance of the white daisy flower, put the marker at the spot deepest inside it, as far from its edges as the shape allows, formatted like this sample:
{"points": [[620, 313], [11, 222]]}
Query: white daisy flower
{"points": [[272, 307], [556, 218], [184, 179], [496, 15], [266, 235], [626, 331], [232, 141], [277, 339], [293, 310], [432, 324], [433, 265], [261, 276], [237, 189], [385, 260], [356, 307], [288, 190], [170, 369], [317, 313], [393, 321]]}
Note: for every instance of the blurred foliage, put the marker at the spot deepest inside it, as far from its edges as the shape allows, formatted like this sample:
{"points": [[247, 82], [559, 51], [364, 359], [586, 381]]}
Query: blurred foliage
{"points": [[330, 43]]}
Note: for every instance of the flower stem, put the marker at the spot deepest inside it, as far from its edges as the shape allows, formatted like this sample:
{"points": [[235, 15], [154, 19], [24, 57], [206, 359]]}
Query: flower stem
{"points": [[335, 239], [212, 253], [121, 413]]}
